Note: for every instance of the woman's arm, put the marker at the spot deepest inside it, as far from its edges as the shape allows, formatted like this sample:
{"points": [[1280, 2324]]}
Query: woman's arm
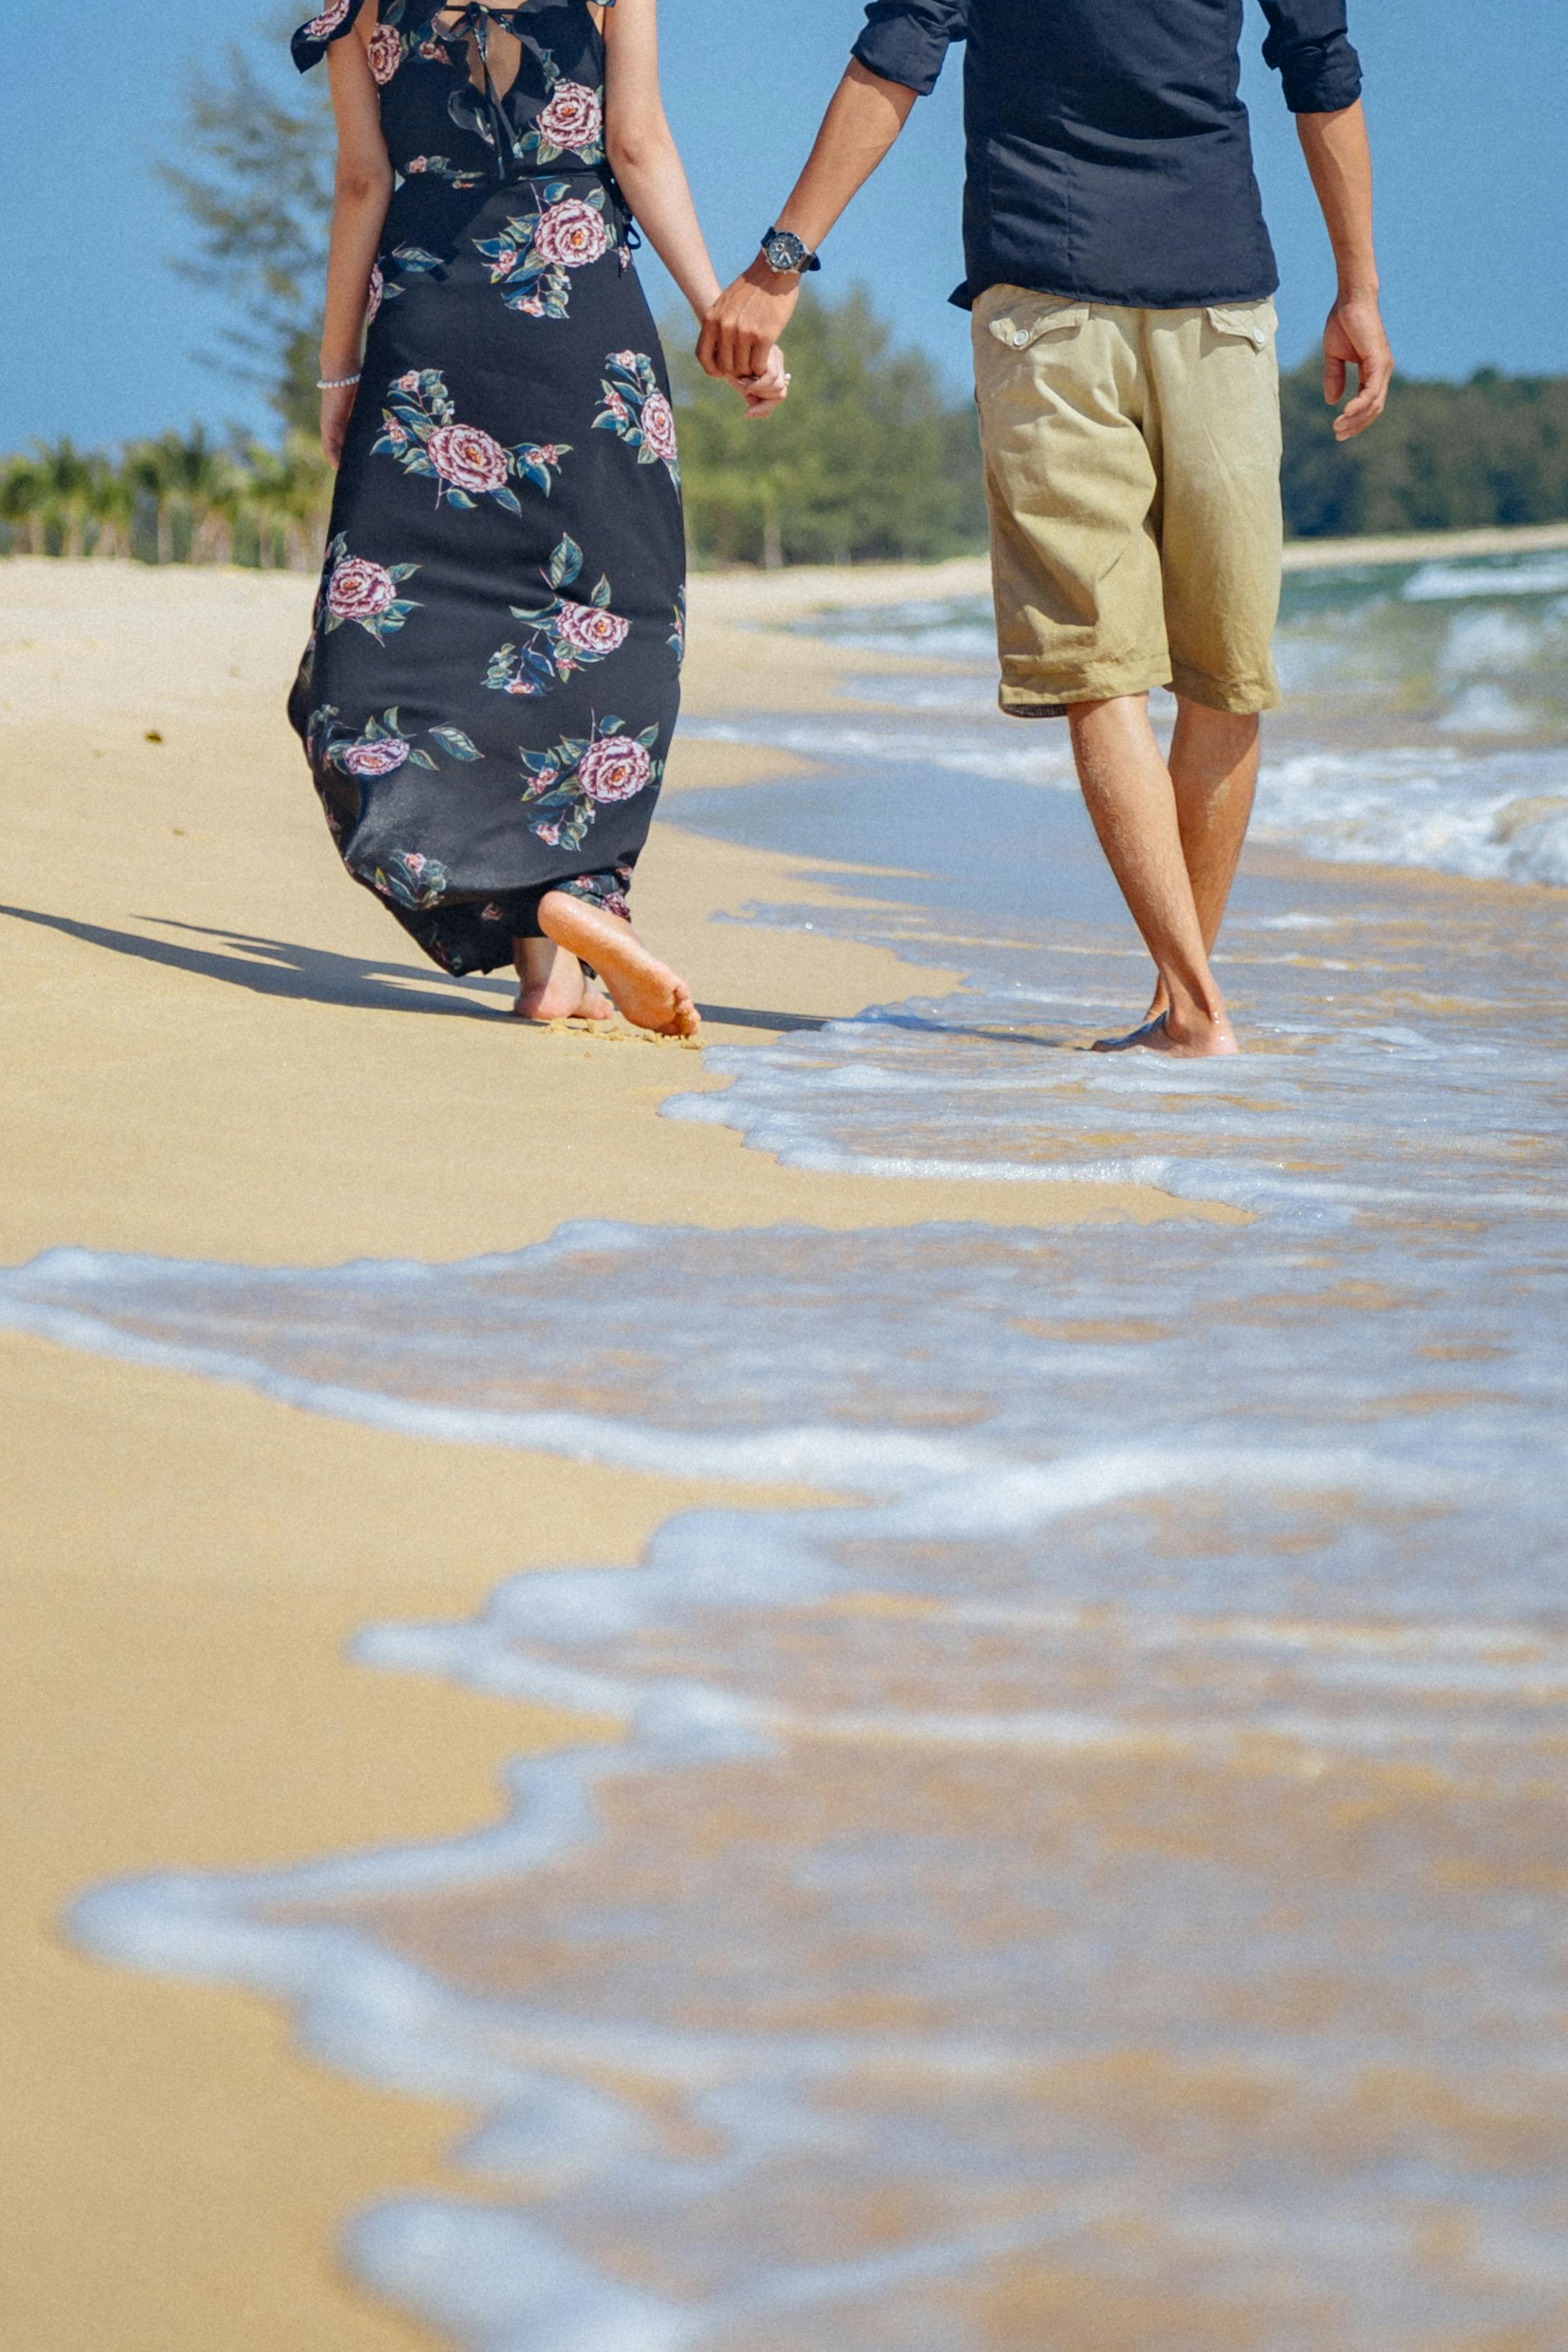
{"points": [[642, 151], [647, 164], [361, 194]]}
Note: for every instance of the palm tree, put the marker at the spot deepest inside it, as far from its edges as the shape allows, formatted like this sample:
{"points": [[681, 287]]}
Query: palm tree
{"points": [[227, 493], [65, 483], [146, 470], [290, 493], [20, 505], [108, 507]]}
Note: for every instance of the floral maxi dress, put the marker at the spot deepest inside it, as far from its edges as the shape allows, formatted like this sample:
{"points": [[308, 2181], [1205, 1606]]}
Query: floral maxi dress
{"points": [[491, 686]]}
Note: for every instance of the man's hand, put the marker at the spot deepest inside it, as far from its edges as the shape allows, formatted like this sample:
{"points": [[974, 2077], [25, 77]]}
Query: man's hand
{"points": [[1355, 338], [744, 325]]}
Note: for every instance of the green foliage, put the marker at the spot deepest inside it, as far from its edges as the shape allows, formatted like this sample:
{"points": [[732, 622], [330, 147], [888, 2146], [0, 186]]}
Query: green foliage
{"points": [[1443, 457], [866, 458], [179, 499]]}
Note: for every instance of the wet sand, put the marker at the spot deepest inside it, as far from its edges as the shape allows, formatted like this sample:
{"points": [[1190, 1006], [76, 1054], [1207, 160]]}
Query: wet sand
{"points": [[219, 1047]]}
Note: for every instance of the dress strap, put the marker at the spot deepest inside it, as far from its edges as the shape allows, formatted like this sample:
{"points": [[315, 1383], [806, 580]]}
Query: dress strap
{"points": [[312, 41]]}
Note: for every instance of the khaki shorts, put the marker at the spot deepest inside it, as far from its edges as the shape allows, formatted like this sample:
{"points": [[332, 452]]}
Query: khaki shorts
{"points": [[1132, 476]]}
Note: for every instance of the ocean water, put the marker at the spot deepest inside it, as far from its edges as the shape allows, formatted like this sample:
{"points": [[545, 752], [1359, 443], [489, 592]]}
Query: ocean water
{"points": [[1094, 1880], [1427, 720]]}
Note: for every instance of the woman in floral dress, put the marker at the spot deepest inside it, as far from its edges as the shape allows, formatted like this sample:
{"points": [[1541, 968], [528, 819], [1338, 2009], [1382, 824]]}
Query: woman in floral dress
{"points": [[491, 686]]}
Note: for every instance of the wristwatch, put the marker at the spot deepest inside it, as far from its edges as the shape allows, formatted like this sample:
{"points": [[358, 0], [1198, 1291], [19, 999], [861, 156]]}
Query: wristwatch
{"points": [[782, 250]]}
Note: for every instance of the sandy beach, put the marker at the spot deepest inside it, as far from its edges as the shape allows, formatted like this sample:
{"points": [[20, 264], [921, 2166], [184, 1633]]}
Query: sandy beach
{"points": [[221, 1049], [1309, 1643]]}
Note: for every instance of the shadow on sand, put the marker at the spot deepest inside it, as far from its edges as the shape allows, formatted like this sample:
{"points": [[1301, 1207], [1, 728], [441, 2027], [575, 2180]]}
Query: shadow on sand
{"points": [[320, 976], [283, 968]]}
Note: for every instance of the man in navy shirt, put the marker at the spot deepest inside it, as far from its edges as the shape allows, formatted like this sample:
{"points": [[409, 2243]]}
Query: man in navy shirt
{"points": [[1118, 273]]}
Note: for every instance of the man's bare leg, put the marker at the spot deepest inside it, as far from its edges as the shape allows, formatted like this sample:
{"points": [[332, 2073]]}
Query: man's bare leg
{"points": [[552, 986], [1213, 761], [646, 991], [1132, 802]]}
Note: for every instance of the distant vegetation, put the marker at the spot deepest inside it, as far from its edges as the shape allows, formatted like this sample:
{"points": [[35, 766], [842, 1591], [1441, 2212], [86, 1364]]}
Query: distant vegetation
{"points": [[1443, 457], [180, 498], [869, 458]]}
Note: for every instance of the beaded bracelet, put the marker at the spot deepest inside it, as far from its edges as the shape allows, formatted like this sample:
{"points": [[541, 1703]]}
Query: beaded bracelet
{"points": [[337, 382]]}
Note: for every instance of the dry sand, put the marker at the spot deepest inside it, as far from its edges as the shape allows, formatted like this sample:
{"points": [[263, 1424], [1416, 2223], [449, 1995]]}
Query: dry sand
{"points": [[218, 1046]]}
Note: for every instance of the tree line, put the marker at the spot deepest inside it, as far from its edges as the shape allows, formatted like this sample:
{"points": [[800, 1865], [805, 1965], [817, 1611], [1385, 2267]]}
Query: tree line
{"points": [[179, 498], [870, 457]]}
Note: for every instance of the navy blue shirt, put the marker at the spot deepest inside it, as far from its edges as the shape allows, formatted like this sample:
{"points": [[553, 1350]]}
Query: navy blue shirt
{"points": [[1108, 151]]}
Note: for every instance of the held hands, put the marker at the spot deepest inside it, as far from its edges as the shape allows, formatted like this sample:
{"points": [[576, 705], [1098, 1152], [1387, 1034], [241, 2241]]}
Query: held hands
{"points": [[763, 392], [741, 330], [1354, 337]]}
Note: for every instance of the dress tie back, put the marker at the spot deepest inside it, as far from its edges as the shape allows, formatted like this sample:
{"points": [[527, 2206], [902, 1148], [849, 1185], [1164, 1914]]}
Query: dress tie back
{"points": [[313, 39]]}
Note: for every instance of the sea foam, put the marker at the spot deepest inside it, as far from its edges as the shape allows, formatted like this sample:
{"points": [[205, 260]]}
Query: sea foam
{"points": [[955, 1833]]}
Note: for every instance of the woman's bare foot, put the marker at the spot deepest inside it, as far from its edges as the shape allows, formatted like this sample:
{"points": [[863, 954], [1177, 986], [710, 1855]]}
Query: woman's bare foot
{"points": [[641, 988], [554, 985]]}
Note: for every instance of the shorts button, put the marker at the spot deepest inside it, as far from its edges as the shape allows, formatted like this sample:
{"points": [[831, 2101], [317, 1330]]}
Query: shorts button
{"points": [[1020, 337]]}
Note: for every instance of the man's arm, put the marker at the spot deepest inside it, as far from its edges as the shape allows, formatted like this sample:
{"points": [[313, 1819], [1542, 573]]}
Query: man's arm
{"points": [[1309, 47], [1339, 158], [897, 60], [862, 121]]}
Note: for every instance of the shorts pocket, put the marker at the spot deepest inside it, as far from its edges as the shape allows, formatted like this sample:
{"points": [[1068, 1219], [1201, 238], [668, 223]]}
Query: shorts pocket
{"points": [[1251, 322], [1022, 320]]}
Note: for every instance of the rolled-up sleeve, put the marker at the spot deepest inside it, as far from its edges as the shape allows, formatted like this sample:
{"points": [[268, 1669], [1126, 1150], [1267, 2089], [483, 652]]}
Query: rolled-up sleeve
{"points": [[905, 41], [1309, 47]]}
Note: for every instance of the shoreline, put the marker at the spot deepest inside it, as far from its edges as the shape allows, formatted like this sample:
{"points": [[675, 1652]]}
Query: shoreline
{"points": [[225, 1050], [758, 598]]}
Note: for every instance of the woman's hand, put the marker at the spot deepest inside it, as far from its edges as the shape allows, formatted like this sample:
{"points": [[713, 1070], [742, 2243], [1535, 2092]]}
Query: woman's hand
{"points": [[763, 392], [336, 407]]}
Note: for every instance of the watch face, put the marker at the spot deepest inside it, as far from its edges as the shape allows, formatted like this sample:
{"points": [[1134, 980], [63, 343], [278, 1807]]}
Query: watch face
{"points": [[784, 252]]}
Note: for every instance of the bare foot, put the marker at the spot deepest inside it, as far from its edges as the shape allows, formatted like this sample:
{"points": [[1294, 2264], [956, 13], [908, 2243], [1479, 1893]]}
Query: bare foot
{"points": [[641, 988], [1198, 1039], [554, 986]]}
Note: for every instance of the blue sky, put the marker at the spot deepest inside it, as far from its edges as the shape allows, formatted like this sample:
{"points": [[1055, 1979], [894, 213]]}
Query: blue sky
{"points": [[1468, 97]]}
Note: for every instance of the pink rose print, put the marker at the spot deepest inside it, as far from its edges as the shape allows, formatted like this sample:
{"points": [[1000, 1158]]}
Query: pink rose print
{"points": [[548, 833], [409, 383], [588, 629], [659, 426], [614, 770], [359, 588], [625, 359], [377, 294], [378, 758], [615, 902], [386, 49], [328, 21], [463, 455], [573, 119], [571, 234]]}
